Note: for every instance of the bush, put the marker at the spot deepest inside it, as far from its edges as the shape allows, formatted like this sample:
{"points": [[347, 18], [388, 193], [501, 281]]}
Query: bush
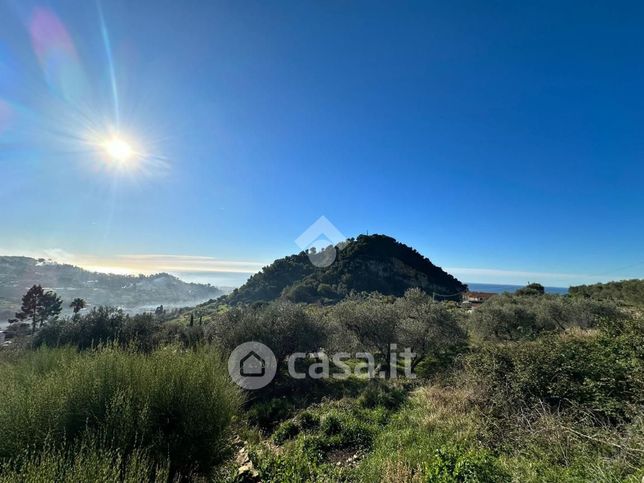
{"points": [[175, 404], [331, 425], [382, 395], [87, 462], [509, 317], [267, 414], [176, 333], [454, 464], [101, 326], [287, 430], [284, 327], [602, 374], [308, 420]]}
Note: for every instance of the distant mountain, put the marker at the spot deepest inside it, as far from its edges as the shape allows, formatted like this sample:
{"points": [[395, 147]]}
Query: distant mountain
{"points": [[374, 263], [129, 292]]}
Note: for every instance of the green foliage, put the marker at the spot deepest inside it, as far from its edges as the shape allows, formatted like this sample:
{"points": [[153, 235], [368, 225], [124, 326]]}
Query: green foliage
{"points": [[429, 329], [77, 304], [284, 327], [374, 263], [83, 463], [308, 420], [316, 443], [266, 414], [173, 403], [371, 318], [628, 292], [287, 430], [102, 325], [456, 464], [602, 374], [331, 425], [433, 438], [39, 306], [176, 333], [511, 317], [387, 396], [531, 289]]}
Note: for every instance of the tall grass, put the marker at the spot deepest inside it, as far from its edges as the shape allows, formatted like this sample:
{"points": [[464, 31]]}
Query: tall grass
{"points": [[83, 463], [176, 405]]}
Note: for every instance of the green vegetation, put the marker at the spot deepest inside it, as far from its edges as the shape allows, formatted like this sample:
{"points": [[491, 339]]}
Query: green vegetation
{"points": [[374, 263], [39, 306], [174, 406], [81, 463], [528, 387], [626, 292], [517, 317]]}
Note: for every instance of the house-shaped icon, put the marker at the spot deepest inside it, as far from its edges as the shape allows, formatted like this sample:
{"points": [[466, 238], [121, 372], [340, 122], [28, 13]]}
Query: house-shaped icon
{"points": [[252, 365]]}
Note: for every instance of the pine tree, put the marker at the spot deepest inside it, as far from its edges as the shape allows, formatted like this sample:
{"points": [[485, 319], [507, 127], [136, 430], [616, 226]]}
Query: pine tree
{"points": [[39, 306]]}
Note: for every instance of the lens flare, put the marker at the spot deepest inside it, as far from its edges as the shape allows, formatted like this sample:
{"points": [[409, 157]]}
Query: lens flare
{"points": [[57, 55]]}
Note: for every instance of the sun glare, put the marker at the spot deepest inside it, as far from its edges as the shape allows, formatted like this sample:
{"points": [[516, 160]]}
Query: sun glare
{"points": [[119, 150]]}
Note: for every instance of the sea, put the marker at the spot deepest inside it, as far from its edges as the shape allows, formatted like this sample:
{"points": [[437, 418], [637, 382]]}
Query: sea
{"points": [[497, 288]]}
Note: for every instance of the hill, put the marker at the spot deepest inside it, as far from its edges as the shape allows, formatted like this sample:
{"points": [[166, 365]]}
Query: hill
{"points": [[374, 263], [630, 292], [129, 292]]}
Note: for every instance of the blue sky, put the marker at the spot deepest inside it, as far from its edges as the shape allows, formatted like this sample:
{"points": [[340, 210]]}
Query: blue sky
{"points": [[502, 139]]}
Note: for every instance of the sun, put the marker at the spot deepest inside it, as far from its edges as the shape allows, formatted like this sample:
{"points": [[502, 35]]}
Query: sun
{"points": [[119, 150]]}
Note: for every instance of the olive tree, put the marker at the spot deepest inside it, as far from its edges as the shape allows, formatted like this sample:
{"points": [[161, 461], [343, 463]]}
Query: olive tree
{"points": [[430, 329], [282, 326]]}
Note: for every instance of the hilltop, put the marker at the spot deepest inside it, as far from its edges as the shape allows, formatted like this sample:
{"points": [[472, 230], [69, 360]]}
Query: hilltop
{"points": [[130, 292], [368, 263]]}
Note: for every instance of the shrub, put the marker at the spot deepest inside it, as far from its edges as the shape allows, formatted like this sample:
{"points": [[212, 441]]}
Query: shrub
{"points": [[430, 329], [177, 333], [454, 464], [509, 317], [331, 425], [382, 395], [266, 414], [308, 420], [176, 404], [102, 325], [86, 462], [602, 374], [284, 327], [287, 430]]}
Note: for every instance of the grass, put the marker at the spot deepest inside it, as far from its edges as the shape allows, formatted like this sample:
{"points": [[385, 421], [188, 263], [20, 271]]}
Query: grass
{"points": [[85, 462], [563, 407], [439, 434], [175, 405]]}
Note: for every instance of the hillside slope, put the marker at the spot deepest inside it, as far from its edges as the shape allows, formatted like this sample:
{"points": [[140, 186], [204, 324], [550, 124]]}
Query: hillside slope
{"points": [[374, 263], [130, 292], [629, 292]]}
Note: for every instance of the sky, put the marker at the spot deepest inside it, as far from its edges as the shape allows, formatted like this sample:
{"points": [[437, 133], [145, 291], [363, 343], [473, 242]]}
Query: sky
{"points": [[501, 139]]}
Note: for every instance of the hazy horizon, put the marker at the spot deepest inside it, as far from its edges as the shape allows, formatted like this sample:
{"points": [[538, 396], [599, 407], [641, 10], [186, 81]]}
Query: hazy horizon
{"points": [[207, 270]]}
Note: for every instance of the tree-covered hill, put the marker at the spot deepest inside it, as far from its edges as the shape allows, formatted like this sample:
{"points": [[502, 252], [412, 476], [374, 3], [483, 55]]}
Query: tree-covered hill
{"points": [[130, 292], [630, 292], [374, 263]]}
